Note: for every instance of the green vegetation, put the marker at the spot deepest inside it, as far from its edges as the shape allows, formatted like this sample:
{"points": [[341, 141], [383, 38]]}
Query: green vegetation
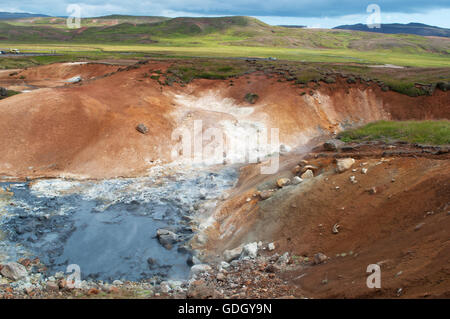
{"points": [[251, 98], [8, 94], [225, 37], [424, 132]]}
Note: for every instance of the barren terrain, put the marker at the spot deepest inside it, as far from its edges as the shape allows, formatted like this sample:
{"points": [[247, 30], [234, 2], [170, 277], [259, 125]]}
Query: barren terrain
{"points": [[391, 207]]}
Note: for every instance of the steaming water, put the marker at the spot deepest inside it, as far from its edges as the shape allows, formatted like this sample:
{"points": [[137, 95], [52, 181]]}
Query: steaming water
{"points": [[107, 227]]}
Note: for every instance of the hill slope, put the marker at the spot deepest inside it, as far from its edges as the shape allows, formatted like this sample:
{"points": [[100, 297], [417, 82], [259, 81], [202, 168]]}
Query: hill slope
{"points": [[396, 28], [220, 32], [60, 22], [19, 15]]}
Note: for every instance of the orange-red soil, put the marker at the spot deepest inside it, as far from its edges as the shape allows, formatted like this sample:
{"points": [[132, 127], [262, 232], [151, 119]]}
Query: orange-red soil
{"points": [[87, 130]]}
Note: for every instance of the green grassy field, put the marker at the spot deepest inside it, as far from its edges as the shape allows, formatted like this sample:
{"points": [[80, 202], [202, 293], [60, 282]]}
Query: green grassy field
{"points": [[424, 132], [300, 55], [227, 37]]}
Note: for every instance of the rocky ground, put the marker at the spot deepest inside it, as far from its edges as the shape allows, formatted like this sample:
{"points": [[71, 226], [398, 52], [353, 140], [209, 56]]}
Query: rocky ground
{"points": [[252, 274], [399, 223]]}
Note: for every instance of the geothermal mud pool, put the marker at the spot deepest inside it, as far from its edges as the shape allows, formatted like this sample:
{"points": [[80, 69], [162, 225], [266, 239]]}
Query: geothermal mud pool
{"points": [[108, 227]]}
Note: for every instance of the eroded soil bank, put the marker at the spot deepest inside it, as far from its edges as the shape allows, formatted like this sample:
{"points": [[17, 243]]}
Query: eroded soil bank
{"points": [[87, 129]]}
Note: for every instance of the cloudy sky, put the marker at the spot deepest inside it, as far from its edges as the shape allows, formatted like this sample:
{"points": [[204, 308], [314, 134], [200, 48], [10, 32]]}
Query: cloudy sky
{"points": [[313, 13]]}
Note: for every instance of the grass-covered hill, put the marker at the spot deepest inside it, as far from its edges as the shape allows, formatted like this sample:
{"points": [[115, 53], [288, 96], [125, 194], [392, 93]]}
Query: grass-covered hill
{"points": [[19, 15], [60, 22], [240, 31]]}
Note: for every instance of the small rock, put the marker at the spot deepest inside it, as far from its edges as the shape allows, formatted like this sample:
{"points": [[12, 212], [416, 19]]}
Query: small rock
{"points": [[283, 182], [221, 277], [265, 194], [272, 268], [308, 174], [336, 228], [166, 237], [284, 259], [224, 265], [231, 254], [344, 164], [353, 179], [141, 128], [151, 262], [52, 286], [250, 250], [315, 169], [333, 144], [296, 180], [271, 246], [198, 269], [419, 226], [14, 271], [364, 170], [319, 258], [164, 286]]}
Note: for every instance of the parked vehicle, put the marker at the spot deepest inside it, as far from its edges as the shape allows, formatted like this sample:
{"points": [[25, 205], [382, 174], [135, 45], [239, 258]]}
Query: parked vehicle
{"points": [[14, 51], [2, 52]]}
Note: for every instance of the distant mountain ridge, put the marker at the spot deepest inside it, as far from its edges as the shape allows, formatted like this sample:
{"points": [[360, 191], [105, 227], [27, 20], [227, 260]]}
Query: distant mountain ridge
{"points": [[396, 28], [19, 15]]}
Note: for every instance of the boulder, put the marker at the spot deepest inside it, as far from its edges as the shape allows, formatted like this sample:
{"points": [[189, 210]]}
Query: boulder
{"points": [[199, 269], [231, 254], [344, 164], [14, 271], [166, 238], [333, 144], [250, 250], [142, 128]]}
